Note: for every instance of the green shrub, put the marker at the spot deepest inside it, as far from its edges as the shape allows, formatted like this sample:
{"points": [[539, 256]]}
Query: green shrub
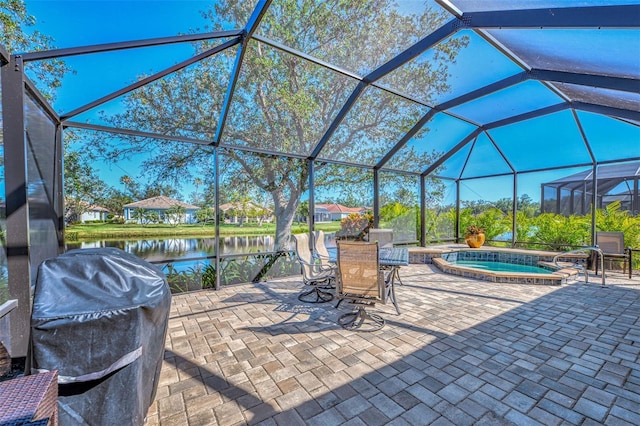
{"points": [[564, 232]]}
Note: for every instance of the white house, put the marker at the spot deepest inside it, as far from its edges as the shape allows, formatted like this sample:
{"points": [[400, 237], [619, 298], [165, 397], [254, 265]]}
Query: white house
{"points": [[94, 213], [160, 205], [238, 212]]}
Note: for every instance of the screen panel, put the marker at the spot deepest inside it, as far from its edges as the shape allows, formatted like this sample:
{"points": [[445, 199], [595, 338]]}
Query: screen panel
{"points": [[440, 214], [509, 102], [283, 103], [600, 96], [484, 160], [343, 195], [610, 139], [476, 6], [459, 64], [186, 103], [43, 188], [355, 35], [552, 140], [400, 206], [98, 22], [377, 121], [435, 139], [605, 51]]}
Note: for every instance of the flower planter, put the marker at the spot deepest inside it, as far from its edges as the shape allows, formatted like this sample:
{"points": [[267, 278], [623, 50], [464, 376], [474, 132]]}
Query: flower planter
{"points": [[474, 240]]}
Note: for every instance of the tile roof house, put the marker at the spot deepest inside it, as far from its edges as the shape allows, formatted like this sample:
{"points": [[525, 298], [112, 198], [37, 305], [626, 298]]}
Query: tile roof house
{"points": [[337, 211], [160, 205]]}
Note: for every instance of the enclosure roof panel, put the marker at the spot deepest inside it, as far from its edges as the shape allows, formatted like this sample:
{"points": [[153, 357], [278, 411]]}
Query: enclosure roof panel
{"points": [[601, 52], [485, 160], [376, 122], [494, 5], [437, 137], [599, 130], [509, 102], [359, 36], [601, 96], [540, 84], [552, 140], [609, 171], [74, 23]]}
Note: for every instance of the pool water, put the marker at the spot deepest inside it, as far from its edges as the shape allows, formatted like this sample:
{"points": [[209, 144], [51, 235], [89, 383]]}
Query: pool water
{"points": [[501, 266]]}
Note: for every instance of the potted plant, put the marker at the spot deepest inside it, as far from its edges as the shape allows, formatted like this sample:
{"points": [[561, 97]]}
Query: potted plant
{"points": [[355, 227], [474, 236]]}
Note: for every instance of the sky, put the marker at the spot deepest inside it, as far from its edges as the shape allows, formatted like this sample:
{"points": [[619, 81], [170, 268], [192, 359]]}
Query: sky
{"points": [[87, 22]]}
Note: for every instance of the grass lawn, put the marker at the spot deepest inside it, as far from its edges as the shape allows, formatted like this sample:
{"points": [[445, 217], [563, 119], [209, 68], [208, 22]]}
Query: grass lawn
{"points": [[110, 231]]}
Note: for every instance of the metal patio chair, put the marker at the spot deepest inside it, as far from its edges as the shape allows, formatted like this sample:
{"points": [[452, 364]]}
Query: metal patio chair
{"points": [[322, 254], [314, 274], [612, 246]]}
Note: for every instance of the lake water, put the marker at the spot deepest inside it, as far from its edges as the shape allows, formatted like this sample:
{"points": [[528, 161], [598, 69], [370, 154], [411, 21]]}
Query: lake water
{"points": [[154, 250], [157, 250]]}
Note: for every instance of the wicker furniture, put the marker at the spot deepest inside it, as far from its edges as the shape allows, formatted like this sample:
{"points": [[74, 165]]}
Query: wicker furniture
{"points": [[314, 274], [361, 282], [612, 246]]}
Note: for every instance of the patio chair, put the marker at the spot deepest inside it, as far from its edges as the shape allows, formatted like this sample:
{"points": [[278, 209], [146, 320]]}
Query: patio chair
{"points": [[384, 237], [314, 274], [321, 252], [612, 246], [361, 282]]}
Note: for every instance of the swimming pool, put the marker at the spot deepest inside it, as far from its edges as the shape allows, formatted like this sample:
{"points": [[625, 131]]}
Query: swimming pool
{"points": [[503, 266]]}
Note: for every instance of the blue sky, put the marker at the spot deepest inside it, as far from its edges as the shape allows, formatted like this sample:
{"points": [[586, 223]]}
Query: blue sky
{"points": [[83, 22], [86, 22]]}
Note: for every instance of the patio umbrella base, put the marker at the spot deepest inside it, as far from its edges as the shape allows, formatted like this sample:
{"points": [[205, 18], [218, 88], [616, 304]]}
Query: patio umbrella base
{"points": [[315, 295], [361, 320]]}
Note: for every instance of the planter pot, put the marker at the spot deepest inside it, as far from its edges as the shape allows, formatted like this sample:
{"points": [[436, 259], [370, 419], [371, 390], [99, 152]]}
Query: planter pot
{"points": [[474, 240]]}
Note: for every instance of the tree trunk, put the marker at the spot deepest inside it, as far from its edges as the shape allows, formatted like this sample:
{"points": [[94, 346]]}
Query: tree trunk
{"points": [[284, 211]]}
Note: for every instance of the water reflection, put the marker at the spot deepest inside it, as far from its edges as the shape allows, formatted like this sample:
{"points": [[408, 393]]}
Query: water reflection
{"points": [[155, 250]]}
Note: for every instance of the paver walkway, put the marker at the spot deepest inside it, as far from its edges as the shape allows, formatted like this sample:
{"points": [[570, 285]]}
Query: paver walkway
{"points": [[461, 352]]}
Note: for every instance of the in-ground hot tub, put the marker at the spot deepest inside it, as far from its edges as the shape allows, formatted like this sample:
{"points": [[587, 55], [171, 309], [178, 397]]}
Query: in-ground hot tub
{"points": [[512, 266]]}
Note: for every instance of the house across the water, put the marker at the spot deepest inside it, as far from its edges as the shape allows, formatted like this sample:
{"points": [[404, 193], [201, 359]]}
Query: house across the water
{"points": [[160, 205]]}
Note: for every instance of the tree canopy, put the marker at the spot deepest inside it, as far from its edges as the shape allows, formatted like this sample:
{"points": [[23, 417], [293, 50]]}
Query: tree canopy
{"points": [[283, 103], [17, 35]]}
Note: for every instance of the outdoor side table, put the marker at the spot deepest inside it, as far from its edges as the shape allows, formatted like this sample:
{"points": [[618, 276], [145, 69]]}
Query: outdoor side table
{"points": [[30, 400]]}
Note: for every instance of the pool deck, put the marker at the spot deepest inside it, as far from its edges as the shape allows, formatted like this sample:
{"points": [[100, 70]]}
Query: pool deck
{"points": [[461, 352]]}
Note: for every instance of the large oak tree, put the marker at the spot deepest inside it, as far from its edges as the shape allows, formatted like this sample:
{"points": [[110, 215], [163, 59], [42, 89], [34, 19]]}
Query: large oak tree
{"points": [[283, 103]]}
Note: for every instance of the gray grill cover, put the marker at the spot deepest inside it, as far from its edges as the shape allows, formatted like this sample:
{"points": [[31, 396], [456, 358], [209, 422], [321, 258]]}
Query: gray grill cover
{"points": [[100, 318]]}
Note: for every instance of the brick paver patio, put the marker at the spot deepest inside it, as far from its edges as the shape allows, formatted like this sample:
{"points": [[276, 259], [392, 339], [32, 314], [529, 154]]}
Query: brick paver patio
{"points": [[461, 352]]}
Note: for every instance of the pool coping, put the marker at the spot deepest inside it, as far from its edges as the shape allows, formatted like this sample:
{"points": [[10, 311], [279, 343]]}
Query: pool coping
{"points": [[558, 277]]}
